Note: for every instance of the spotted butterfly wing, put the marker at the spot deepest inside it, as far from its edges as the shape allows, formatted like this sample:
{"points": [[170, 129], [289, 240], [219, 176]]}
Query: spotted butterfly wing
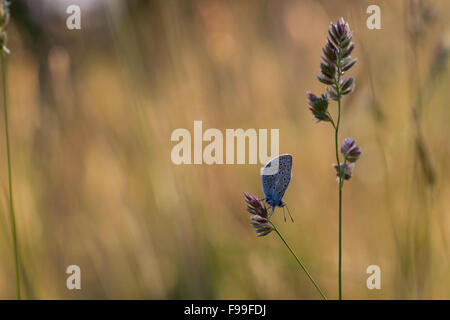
{"points": [[275, 177]]}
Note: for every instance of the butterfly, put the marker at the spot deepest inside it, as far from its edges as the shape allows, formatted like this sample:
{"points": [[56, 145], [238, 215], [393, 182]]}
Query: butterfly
{"points": [[275, 177]]}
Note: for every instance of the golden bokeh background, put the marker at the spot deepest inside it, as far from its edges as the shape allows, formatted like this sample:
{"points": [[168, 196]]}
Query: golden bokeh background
{"points": [[91, 116]]}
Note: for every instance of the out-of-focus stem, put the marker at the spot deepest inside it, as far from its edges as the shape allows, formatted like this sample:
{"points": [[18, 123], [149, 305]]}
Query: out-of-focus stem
{"points": [[8, 153]]}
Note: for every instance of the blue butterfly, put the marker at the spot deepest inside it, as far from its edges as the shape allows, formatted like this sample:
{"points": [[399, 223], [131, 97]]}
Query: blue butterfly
{"points": [[275, 177]]}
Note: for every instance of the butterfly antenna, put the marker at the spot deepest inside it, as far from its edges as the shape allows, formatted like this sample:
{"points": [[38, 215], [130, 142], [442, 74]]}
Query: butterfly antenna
{"points": [[284, 214], [289, 213]]}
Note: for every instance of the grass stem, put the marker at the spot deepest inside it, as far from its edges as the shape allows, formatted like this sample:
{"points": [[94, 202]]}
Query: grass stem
{"points": [[336, 138], [298, 261]]}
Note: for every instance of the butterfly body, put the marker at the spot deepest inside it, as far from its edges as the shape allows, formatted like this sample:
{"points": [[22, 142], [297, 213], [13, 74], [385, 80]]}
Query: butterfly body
{"points": [[275, 177]]}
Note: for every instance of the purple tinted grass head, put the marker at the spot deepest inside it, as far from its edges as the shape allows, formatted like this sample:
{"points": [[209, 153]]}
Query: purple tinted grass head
{"points": [[346, 170], [350, 150], [319, 106], [340, 43], [337, 58], [258, 220], [261, 225], [351, 154], [255, 206], [336, 61]]}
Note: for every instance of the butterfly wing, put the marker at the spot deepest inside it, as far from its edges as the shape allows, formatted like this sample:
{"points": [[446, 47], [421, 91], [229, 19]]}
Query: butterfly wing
{"points": [[282, 178], [268, 183], [275, 177]]}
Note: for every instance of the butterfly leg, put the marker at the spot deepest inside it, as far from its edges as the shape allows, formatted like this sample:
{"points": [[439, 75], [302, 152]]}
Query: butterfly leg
{"points": [[289, 213], [273, 210]]}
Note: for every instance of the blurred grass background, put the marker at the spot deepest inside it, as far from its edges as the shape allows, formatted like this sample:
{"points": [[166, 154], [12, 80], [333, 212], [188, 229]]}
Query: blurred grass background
{"points": [[92, 112]]}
